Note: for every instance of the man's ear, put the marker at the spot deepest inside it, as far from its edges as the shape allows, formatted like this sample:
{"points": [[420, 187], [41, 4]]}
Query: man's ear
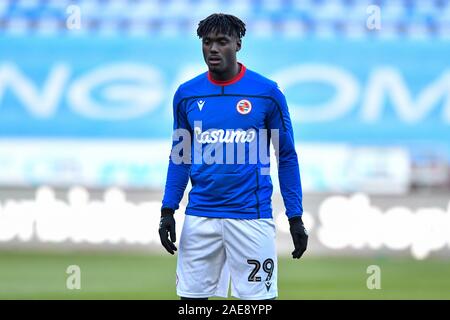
{"points": [[238, 45]]}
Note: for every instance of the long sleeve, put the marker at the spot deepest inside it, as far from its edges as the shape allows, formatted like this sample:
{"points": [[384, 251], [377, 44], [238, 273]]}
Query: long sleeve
{"points": [[179, 160], [288, 168]]}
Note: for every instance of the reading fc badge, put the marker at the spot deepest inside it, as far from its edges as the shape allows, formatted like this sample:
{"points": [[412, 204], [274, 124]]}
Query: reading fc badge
{"points": [[244, 106]]}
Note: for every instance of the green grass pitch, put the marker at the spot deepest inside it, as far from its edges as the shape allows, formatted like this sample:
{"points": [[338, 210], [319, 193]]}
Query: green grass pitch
{"points": [[42, 275]]}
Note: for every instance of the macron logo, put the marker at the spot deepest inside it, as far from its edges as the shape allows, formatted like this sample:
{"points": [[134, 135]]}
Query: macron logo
{"points": [[200, 104]]}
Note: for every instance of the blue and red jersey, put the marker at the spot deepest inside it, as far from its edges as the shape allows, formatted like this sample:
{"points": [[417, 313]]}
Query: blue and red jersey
{"points": [[230, 125]]}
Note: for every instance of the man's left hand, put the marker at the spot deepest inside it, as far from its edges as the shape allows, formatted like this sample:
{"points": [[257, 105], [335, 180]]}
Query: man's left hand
{"points": [[299, 236]]}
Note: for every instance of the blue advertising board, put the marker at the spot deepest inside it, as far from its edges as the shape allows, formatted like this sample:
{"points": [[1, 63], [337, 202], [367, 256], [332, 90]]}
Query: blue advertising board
{"points": [[338, 90]]}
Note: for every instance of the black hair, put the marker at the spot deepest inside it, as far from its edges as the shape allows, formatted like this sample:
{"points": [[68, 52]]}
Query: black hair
{"points": [[221, 23]]}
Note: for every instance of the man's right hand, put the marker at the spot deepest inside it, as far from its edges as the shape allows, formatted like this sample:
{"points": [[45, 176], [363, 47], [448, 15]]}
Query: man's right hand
{"points": [[166, 227]]}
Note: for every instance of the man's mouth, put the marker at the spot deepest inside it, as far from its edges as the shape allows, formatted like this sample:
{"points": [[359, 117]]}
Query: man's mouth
{"points": [[214, 60]]}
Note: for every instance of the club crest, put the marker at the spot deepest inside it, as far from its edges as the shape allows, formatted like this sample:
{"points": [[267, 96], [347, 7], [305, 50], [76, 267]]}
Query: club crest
{"points": [[244, 106]]}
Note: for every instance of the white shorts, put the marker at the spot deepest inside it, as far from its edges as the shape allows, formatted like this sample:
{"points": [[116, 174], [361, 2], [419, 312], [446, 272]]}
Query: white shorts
{"points": [[213, 250]]}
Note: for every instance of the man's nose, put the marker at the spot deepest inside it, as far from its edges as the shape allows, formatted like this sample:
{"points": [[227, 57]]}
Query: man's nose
{"points": [[214, 47]]}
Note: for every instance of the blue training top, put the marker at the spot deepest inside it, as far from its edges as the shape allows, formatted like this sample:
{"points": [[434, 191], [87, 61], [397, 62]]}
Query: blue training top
{"points": [[222, 131]]}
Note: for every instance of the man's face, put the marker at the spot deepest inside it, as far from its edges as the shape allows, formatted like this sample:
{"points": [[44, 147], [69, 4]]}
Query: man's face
{"points": [[219, 51]]}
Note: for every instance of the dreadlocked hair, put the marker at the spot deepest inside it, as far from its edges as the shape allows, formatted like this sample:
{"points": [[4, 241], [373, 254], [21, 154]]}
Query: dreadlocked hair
{"points": [[221, 23]]}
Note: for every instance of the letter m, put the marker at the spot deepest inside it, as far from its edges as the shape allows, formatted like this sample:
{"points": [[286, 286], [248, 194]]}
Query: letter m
{"points": [[387, 82]]}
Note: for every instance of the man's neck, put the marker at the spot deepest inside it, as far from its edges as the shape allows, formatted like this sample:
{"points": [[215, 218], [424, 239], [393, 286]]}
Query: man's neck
{"points": [[228, 75]]}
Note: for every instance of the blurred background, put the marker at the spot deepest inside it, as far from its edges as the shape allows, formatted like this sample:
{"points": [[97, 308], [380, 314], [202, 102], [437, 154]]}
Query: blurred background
{"points": [[85, 129]]}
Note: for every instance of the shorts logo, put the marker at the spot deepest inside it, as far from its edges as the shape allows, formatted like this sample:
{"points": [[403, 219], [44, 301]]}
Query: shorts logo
{"points": [[244, 106]]}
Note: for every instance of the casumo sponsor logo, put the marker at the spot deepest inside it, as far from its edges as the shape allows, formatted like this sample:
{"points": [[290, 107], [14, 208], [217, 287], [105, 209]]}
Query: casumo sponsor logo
{"points": [[224, 136]]}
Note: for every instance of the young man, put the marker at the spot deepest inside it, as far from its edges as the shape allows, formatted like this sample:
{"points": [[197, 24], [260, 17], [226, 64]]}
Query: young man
{"points": [[228, 231]]}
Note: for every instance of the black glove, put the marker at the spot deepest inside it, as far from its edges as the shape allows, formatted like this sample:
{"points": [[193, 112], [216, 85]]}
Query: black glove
{"points": [[166, 226], [299, 236]]}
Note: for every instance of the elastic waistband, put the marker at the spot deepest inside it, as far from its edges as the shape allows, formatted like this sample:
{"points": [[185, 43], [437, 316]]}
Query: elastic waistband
{"points": [[229, 215]]}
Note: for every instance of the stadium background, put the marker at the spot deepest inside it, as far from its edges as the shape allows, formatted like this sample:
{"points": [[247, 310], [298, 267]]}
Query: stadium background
{"points": [[85, 127]]}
